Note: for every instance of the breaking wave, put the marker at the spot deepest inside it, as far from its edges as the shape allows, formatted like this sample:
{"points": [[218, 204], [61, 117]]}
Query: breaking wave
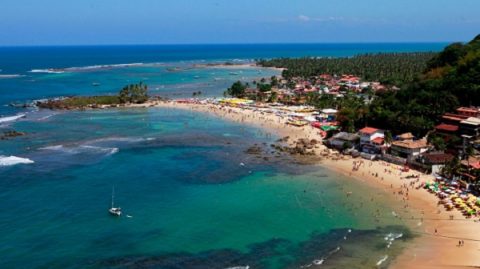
{"points": [[382, 260], [11, 76], [11, 118], [122, 139], [13, 160], [82, 149], [48, 71], [84, 68]]}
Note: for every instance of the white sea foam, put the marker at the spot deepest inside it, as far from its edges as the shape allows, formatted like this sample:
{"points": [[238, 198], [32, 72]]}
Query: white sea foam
{"points": [[122, 139], [103, 66], [319, 262], [82, 149], [48, 71], [11, 76], [46, 117], [13, 160], [11, 118], [391, 237], [83, 68], [239, 267], [382, 260]]}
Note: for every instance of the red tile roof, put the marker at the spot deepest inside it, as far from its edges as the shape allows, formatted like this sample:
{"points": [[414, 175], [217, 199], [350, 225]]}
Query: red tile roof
{"points": [[417, 144], [475, 165], [473, 162], [468, 109], [454, 117], [438, 158], [447, 127], [378, 140], [368, 130]]}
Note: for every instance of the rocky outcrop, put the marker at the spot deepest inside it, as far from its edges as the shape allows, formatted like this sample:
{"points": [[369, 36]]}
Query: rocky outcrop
{"points": [[11, 134]]}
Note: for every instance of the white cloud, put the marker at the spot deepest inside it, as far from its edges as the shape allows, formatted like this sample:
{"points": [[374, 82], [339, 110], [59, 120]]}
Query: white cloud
{"points": [[303, 18]]}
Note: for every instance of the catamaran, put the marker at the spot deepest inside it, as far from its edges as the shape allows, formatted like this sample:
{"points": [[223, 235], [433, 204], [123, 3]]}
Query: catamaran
{"points": [[116, 211]]}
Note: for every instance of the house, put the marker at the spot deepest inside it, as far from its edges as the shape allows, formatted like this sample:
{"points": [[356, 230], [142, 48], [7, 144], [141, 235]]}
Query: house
{"points": [[469, 111], [344, 140], [371, 140], [447, 129], [453, 119], [409, 149], [472, 170], [433, 161], [470, 127]]}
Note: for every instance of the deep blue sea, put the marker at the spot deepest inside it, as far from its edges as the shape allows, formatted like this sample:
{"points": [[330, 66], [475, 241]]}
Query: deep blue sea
{"points": [[192, 197]]}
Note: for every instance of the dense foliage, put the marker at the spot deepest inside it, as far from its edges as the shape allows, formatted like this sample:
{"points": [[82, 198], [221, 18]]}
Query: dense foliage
{"points": [[134, 93], [388, 68], [237, 89], [451, 79]]}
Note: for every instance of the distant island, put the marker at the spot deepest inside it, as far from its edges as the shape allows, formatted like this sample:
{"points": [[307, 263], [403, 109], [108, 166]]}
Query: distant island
{"points": [[130, 94]]}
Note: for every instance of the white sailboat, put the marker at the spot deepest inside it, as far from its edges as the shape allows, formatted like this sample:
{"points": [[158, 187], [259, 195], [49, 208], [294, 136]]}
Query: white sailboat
{"points": [[116, 211]]}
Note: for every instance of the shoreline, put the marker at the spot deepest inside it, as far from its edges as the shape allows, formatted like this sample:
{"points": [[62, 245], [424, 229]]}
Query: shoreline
{"points": [[438, 235]]}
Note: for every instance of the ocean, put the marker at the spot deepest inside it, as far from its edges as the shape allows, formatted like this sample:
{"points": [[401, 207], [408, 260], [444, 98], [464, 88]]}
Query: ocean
{"points": [[191, 194]]}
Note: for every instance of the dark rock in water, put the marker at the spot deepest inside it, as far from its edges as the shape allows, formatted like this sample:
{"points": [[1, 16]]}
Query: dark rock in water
{"points": [[11, 134], [339, 248], [283, 139], [254, 150]]}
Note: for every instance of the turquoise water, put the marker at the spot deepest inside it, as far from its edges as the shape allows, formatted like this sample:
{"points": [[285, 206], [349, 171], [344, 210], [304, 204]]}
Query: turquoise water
{"points": [[178, 175], [191, 196], [106, 66]]}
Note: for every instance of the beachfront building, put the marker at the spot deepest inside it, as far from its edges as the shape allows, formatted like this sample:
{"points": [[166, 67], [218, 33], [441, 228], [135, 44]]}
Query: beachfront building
{"points": [[470, 172], [432, 162], [344, 140], [409, 149], [371, 140]]}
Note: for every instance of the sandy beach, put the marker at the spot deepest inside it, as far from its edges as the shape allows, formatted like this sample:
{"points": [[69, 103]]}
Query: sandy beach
{"points": [[439, 231]]}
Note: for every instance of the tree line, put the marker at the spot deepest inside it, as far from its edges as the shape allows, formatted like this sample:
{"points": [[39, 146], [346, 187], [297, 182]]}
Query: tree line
{"points": [[387, 68]]}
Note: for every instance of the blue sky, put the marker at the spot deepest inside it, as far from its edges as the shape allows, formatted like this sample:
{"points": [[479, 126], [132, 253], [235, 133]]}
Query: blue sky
{"points": [[81, 22]]}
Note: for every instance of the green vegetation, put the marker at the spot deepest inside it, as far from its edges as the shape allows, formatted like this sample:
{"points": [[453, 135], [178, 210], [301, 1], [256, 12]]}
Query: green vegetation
{"points": [[450, 79], [134, 93], [237, 89], [79, 102], [387, 68]]}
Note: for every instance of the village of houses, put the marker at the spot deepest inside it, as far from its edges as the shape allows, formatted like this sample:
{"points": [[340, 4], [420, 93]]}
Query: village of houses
{"points": [[371, 142]]}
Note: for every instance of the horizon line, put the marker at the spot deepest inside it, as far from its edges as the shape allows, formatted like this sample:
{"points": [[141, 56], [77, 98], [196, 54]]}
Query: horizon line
{"points": [[231, 44]]}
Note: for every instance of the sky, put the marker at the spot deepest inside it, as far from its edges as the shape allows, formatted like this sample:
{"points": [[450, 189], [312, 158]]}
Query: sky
{"points": [[102, 22]]}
